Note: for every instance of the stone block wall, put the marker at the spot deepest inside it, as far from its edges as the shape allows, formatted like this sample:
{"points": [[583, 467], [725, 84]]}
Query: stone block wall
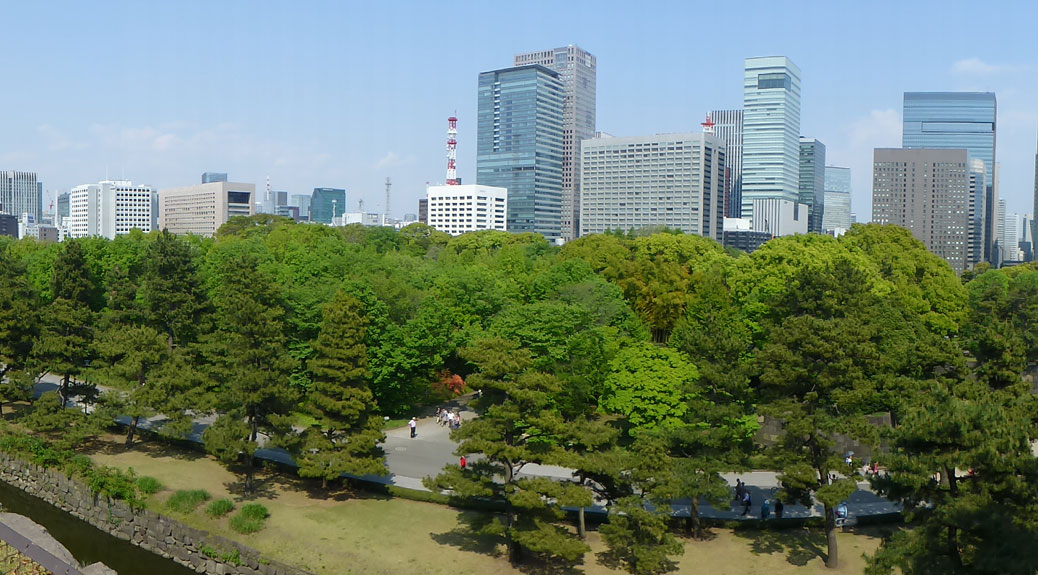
{"points": [[152, 531]]}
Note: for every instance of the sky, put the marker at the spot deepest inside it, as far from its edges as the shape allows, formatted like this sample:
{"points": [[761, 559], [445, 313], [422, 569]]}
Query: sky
{"points": [[345, 94]]}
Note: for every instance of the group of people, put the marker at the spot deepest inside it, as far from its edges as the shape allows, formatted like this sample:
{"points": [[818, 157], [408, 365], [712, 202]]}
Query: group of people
{"points": [[742, 495], [449, 418]]}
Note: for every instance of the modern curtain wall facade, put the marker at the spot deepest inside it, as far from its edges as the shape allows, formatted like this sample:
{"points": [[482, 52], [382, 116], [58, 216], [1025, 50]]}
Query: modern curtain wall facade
{"points": [[837, 214], [812, 181], [578, 70], [771, 131], [959, 120], [20, 194], [728, 129], [519, 145]]}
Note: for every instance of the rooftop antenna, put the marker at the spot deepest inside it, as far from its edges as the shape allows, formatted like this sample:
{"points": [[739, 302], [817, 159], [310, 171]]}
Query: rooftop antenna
{"points": [[385, 217], [708, 125], [452, 150]]}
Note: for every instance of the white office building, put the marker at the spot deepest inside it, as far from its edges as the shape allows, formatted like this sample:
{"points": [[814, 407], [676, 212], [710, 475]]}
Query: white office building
{"points": [[467, 208], [109, 208], [771, 131], [202, 208], [780, 217], [667, 180]]}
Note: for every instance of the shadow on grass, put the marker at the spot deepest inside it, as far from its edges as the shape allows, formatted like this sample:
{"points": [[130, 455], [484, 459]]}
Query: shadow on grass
{"points": [[466, 536], [612, 561], [799, 546], [533, 565]]}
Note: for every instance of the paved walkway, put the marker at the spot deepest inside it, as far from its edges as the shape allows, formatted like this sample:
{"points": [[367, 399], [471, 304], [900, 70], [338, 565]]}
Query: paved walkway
{"points": [[409, 460]]}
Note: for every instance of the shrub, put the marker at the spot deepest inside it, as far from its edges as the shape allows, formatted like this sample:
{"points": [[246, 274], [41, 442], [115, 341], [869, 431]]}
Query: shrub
{"points": [[250, 518], [115, 484], [187, 501], [149, 485], [219, 508]]}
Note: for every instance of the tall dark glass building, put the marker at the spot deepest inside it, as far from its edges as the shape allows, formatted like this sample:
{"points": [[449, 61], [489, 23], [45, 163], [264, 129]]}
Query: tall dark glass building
{"points": [[326, 204], [812, 181], [962, 121], [519, 145]]}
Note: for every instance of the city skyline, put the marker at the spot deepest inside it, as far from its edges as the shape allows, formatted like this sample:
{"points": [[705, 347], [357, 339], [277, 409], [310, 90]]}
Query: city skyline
{"points": [[319, 111]]}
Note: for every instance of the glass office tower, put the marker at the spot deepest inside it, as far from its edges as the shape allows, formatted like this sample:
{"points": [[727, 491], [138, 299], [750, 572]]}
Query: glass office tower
{"points": [[771, 131], [958, 120], [519, 145], [577, 69], [728, 127], [837, 214], [812, 181], [326, 204]]}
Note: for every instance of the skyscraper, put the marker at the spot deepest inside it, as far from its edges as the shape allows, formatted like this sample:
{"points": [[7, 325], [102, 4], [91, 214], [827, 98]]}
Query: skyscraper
{"points": [[577, 69], [926, 191], [812, 181], [837, 215], [672, 180], [302, 201], [978, 177], [62, 208], [519, 145], [771, 131], [959, 120], [728, 128], [20, 194], [326, 204], [1034, 213]]}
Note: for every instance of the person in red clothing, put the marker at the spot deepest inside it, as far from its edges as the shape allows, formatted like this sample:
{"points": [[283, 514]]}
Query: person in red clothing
{"points": [[464, 462]]}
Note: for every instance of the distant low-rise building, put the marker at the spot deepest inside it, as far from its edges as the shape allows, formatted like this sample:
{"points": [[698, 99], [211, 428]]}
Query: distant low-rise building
{"points": [[467, 208], [8, 226], [202, 209]]}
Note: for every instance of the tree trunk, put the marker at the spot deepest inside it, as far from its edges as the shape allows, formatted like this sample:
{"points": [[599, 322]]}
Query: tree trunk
{"points": [[832, 560], [693, 514], [248, 474], [64, 391], [953, 531], [324, 482], [133, 428], [581, 527]]}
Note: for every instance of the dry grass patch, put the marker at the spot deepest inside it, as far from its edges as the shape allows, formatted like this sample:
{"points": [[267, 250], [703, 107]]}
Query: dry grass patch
{"points": [[361, 533]]}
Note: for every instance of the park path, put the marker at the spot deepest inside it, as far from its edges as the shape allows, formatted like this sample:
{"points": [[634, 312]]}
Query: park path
{"points": [[411, 459]]}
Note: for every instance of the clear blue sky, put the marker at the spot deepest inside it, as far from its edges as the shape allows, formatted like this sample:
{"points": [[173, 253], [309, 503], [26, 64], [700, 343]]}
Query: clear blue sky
{"points": [[346, 93]]}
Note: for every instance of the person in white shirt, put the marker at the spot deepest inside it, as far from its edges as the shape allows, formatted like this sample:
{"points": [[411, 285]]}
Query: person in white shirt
{"points": [[413, 424]]}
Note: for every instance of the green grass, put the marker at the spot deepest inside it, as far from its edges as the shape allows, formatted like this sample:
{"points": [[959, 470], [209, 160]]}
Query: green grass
{"points": [[395, 423], [304, 420], [149, 485], [250, 519], [219, 508], [186, 501]]}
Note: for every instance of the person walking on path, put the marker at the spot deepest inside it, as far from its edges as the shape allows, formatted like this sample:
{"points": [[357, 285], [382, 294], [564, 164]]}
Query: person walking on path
{"points": [[413, 424], [765, 509], [778, 508], [740, 488], [746, 502], [464, 462]]}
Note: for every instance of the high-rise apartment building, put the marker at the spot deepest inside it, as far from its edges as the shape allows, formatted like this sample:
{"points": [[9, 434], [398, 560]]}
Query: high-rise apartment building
{"points": [[959, 120], [672, 180], [770, 131], [728, 129], [926, 191], [466, 208], [519, 145], [20, 194], [327, 204], [837, 215], [109, 208], [577, 69], [213, 177], [203, 208], [812, 182]]}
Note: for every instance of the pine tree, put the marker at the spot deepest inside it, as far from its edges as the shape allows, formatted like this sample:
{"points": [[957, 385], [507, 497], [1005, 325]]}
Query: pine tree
{"points": [[171, 290], [251, 364], [66, 338], [348, 432], [18, 330]]}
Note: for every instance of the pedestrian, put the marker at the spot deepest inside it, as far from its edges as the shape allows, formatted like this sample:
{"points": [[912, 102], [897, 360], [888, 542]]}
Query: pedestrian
{"points": [[778, 508], [413, 424], [765, 509], [464, 462], [457, 420], [746, 501], [739, 489]]}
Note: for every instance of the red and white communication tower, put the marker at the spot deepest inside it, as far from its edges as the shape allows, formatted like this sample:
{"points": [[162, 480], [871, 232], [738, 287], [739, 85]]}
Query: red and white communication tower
{"points": [[708, 125], [452, 151]]}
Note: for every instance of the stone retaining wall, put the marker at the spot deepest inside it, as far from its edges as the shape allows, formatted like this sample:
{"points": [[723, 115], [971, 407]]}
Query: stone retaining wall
{"points": [[157, 533]]}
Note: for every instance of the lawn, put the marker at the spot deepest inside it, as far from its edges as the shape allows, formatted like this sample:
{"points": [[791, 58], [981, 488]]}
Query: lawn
{"points": [[362, 533]]}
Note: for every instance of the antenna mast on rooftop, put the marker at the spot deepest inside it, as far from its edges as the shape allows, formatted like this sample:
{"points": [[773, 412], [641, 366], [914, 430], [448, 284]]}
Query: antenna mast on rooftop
{"points": [[385, 217], [452, 150]]}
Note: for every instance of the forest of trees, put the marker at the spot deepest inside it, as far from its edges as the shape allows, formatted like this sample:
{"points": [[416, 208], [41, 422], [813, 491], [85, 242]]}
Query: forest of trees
{"points": [[643, 362]]}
